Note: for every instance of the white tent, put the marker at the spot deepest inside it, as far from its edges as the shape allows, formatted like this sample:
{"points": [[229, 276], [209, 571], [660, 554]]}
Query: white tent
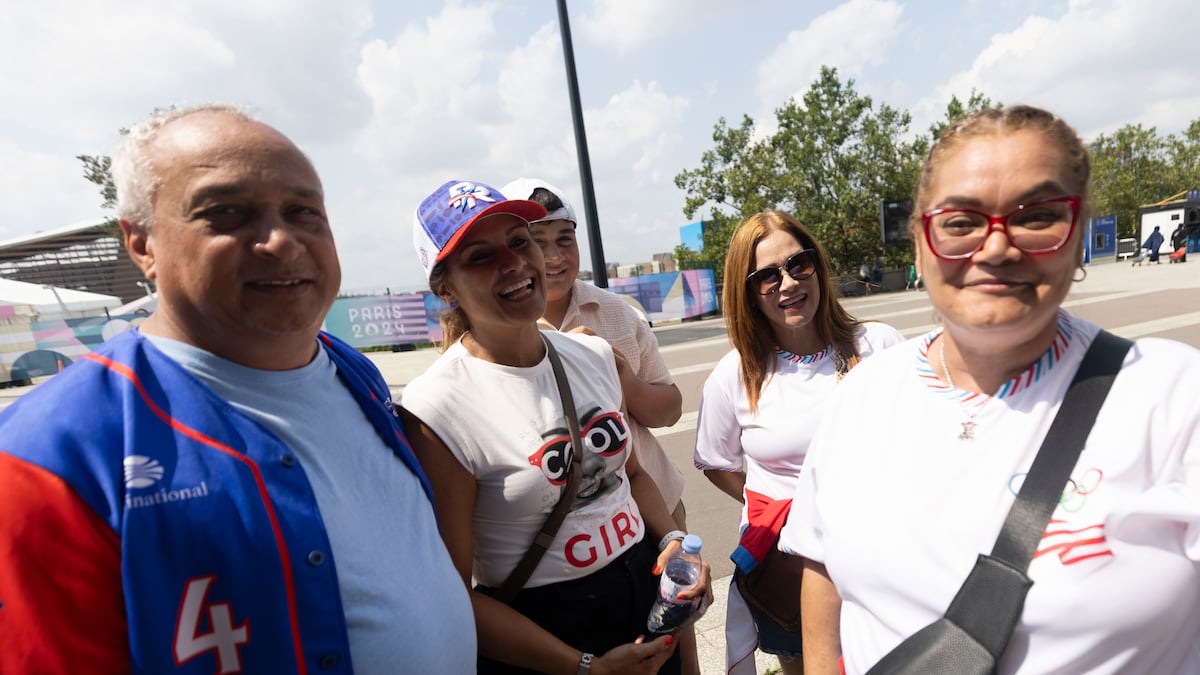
{"points": [[145, 305], [53, 302]]}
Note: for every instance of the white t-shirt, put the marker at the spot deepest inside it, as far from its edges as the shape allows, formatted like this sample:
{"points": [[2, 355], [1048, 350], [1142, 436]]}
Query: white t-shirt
{"points": [[770, 443], [505, 425], [616, 321], [897, 507]]}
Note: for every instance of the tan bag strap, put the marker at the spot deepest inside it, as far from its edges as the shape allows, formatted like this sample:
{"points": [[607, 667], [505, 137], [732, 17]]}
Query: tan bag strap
{"points": [[541, 543]]}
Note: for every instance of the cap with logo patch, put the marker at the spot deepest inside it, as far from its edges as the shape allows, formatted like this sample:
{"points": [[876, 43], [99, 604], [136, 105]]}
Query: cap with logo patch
{"points": [[444, 217]]}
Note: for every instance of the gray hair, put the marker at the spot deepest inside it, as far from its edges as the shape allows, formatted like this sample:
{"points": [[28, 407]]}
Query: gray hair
{"points": [[134, 178]]}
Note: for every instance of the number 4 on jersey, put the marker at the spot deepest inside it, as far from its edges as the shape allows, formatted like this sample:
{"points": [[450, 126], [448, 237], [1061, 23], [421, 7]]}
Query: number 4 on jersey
{"points": [[222, 637]]}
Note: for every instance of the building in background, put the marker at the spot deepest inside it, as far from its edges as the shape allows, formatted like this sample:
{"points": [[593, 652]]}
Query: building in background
{"points": [[1170, 213], [88, 256]]}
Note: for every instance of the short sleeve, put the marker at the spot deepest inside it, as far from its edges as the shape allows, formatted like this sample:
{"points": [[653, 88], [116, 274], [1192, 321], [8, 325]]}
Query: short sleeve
{"points": [[876, 337], [718, 430], [653, 367]]}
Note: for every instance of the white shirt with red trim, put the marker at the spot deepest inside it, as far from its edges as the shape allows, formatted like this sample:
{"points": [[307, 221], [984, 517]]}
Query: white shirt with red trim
{"points": [[897, 507], [769, 444]]}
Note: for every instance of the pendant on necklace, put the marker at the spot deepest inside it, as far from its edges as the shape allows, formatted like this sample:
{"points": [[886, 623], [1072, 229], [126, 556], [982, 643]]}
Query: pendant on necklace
{"points": [[968, 430]]}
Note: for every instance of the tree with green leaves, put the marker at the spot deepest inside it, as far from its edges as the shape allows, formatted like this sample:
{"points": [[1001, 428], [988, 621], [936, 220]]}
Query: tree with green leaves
{"points": [[98, 169], [833, 158], [956, 110], [1131, 167]]}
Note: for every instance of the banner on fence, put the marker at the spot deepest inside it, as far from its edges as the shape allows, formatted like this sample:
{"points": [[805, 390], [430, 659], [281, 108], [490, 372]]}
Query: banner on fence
{"points": [[670, 295], [383, 320]]}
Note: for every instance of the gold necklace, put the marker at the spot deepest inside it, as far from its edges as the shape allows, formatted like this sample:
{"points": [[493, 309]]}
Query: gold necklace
{"points": [[968, 425]]}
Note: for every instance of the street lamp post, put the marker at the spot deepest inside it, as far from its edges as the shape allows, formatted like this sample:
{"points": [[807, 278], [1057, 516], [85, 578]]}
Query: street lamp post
{"points": [[599, 268]]}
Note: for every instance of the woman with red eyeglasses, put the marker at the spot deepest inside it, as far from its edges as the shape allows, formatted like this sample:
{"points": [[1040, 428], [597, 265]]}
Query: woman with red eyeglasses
{"points": [[897, 501], [792, 341]]}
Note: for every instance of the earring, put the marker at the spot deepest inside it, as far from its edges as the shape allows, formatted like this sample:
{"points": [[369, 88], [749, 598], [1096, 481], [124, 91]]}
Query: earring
{"points": [[1078, 278]]}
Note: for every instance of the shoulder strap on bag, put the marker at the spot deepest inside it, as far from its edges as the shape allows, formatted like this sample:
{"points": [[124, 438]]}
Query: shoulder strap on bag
{"points": [[541, 543], [991, 600], [976, 628], [1043, 486]]}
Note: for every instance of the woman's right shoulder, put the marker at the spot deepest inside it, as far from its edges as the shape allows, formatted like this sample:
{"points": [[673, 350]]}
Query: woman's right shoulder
{"points": [[879, 335], [727, 373], [729, 365], [885, 361], [444, 372]]}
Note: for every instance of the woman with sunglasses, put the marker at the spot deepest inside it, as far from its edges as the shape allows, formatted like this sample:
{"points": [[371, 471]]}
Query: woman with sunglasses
{"points": [[897, 501], [792, 341]]}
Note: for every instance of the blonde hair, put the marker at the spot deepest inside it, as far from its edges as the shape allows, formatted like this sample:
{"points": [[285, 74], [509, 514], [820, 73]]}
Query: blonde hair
{"points": [[998, 121], [749, 330], [454, 321]]}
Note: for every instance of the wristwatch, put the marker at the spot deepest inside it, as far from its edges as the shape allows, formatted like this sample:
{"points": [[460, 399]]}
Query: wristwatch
{"points": [[585, 664], [673, 535]]}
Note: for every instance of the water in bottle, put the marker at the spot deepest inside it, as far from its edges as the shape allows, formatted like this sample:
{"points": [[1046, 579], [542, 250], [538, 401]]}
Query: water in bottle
{"points": [[682, 573]]}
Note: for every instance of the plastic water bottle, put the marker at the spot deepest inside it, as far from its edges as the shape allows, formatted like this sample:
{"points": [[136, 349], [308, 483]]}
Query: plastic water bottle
{"points": [[669, 613]]}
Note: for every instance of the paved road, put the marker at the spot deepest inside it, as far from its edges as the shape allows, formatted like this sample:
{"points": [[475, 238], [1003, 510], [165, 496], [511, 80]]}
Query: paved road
{"points": [[1158, 300]]}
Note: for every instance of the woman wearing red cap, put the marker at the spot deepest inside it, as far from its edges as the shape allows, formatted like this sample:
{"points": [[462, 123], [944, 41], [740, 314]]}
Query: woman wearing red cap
{"points": [[487, 422]]}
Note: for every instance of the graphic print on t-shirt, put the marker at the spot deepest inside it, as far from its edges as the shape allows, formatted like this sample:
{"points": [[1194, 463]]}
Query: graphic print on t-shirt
{"points": [[1068, 537], [605, 438]]}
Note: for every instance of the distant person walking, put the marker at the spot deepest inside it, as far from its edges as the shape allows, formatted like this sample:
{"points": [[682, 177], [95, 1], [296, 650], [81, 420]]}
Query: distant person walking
{"points": [[1153, 242], [1179, 242]]}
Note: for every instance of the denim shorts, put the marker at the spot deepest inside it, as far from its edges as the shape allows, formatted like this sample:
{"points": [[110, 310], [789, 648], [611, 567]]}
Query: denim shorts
{"points": [[773, 639]]}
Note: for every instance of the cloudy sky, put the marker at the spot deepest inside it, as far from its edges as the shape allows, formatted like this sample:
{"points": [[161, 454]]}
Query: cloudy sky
{"points": [[391, 99]]}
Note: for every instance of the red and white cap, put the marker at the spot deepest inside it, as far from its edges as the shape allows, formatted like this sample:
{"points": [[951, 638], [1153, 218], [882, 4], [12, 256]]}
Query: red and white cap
{"points": [[448, 212]]}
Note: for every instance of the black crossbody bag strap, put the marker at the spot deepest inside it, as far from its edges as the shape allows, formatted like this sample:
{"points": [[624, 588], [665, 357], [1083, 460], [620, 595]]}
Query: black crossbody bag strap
{"points": [[544, 538], [989, 604]]}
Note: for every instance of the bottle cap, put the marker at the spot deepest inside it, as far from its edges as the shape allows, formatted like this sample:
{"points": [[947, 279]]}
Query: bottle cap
{"points": [[692, 543]]}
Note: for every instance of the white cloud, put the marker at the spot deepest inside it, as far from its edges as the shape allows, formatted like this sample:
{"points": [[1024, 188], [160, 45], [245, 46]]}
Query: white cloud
{"points": [[850, 37], [75, 72], [627, 24], [1101, 65], [455, 103], [433, 95], [84, 65], [25, 173]]}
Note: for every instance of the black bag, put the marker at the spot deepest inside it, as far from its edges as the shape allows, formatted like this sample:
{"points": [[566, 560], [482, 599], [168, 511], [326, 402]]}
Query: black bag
{"points": [[975, 630], [773, 588], [986, 608]]}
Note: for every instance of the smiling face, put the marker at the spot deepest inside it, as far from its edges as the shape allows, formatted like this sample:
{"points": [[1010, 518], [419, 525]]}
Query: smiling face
{"points": [[1000, 292], [496, 274], [240, 250], [557, 240], [793, 307]]}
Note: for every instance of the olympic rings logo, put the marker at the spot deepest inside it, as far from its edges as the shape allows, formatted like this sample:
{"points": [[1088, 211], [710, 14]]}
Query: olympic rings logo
{"points": [[1074, 496]]}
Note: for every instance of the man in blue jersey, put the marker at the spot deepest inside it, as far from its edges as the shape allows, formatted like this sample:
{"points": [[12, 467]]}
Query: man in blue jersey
{"points": [[227, 488]]}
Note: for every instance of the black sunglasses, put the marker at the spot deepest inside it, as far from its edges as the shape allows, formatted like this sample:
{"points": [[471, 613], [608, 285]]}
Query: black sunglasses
{"points": [[767, 280]]}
